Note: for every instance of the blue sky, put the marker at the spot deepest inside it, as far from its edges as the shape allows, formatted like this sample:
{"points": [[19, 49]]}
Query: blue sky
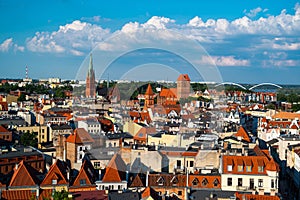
{"points": [[251, 41]]}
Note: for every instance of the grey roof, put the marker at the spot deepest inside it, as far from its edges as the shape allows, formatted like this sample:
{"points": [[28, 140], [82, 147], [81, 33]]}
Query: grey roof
{"points": [[206, 194], [20, 151], [60, 127]]}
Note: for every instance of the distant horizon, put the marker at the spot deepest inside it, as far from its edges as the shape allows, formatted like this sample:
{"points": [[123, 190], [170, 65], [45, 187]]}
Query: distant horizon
{"points": [[254, 42]]}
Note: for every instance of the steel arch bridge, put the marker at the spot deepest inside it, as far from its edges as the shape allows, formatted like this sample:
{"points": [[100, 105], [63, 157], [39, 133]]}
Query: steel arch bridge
{"points": [[262, 84], [231, 83]]}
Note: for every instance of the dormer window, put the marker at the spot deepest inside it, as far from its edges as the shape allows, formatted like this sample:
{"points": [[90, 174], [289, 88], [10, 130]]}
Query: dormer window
{"points": [[82, 182], [174, 180], [216, 182], [54, 182], [240, 168], [260, 168], [160, 181], [195, 182], [204, 182], [229, 168]]}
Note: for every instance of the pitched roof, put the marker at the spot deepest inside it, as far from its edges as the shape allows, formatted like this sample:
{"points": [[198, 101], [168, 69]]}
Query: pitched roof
{"points": [[80, 136], [3, 130], [94, 195], [24, 175], [57, 172], [17, 194], [167, 92], [183, 77], [241, 196], [115, 170], [87, 173], [286, 115], [243, 134], [150, 192], [137, 182], [149, 90]]}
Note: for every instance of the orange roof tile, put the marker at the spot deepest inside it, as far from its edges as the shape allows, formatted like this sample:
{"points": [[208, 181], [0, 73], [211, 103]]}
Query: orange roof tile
{"points": [[149, 90], [17, 194], [86, 173], [183, 77], [80, 136], [57, 172], [286, 115], [3, 130], [24, 175], [137, 182], [243, 134], [150, 192], [115, 170], [255, 196]]}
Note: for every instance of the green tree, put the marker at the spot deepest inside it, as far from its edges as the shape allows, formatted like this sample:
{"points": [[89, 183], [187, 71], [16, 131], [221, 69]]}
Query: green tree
{"points": [[29, 139], [62, 195], [22, 97]]}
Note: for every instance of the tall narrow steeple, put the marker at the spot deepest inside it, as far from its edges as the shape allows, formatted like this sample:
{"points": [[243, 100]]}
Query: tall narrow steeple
{"points": [[90, 80]]}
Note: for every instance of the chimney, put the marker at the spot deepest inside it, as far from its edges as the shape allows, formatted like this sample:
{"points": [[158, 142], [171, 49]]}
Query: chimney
{"points": [[16, 166], [147, 178]]}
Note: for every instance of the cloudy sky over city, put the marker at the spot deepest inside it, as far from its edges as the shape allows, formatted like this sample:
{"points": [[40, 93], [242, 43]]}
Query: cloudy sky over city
{"points": [[250, 41]]}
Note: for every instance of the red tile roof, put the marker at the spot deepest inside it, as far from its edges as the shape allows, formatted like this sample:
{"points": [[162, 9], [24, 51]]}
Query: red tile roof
{"points": [[57, 172], [3, 130], [243, 134], [240, 196], [286, 115], [115, 170], [137, 182], [92, 195], [183, 77], [87, 173], [149, 90], [24, 175], [262, 159], [17, 194], [150, 192], [80, 136]]}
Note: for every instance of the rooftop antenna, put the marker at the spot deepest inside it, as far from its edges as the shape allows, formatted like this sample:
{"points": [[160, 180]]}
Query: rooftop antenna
{"points": [[107, 84], [26, 75]]}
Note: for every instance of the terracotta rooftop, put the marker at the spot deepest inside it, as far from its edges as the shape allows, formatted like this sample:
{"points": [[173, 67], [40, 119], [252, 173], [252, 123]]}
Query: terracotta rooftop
{"points": [[57, 172], [286, 115], [240, 196], [80, 136], [86, 173], [24, 175], [183, 77], [3, 130], [243, 134], [149, 90], [115, 170]]}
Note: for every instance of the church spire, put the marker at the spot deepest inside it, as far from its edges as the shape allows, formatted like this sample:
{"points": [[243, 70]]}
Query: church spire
{"points": [[91, 65]]}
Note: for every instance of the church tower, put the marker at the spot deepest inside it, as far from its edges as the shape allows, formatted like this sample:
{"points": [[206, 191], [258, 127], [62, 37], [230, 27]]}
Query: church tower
{"points": [[183, 86], [90, 91], [149, 96]]}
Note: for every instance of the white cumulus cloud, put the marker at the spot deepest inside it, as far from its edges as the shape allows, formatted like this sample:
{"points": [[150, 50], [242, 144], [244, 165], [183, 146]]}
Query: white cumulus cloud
{"points": [[71, 38], [6, 45], [223, 61]]}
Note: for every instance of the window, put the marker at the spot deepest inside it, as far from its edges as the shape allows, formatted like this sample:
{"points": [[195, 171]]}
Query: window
{"points": [[178, 164], [272, 183], [229, 181], [229, 168], [240, 168], [160, 181], [195, 182], [260, 182], [216, 182], [80, 148], [204, 182], [251, 184], [82, 182], [260, 168], [191, 163], [179, 192], [96, 165], [240, 182], [174, 180], [248, 168], [54, 182]]}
